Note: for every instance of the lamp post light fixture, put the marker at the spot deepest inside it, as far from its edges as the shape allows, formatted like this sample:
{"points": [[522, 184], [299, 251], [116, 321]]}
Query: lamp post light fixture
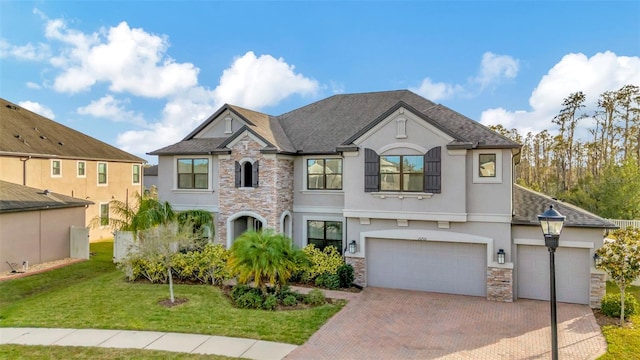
{"points": [[352, 247], [551, 222], [501, 255]]}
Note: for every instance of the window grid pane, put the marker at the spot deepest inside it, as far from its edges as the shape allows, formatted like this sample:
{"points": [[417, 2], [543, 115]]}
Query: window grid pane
{"points": [[487, 165], [102, 173], [81, 166], [325, 233], [193, 173], [402, 173], [324, 174]]}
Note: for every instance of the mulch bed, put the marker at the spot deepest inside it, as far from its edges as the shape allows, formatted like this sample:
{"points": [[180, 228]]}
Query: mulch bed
{"points": [[169, 304], [604, 320]]}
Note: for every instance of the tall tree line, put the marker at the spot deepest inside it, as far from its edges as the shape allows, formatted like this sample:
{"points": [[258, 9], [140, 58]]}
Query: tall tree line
{"points": [[601, 173]]}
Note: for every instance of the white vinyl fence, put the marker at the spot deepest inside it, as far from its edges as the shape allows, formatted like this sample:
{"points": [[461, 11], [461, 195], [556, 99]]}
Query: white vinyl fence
{"points": [[623, 224]]}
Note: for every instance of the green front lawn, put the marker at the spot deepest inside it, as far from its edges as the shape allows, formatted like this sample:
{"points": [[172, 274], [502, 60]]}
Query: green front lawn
{"points": [[24, 352], [623, 343], [94, 294]]}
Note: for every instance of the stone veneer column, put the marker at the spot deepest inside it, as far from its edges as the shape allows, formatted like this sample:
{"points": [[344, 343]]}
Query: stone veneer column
{"points": [[500, 283], [270, 199], [598, 288], [359, 269]]}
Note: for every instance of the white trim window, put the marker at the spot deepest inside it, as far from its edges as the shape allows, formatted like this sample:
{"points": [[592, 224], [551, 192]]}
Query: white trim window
{"points": [[324, 174], [324, 232], [192, 173], [487, 166], [81, 169], [104, 214], [56, 168], [135, 174], [102, 173]]}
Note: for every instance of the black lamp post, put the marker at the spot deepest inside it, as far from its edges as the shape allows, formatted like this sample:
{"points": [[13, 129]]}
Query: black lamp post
{"points": [[551, 223]]}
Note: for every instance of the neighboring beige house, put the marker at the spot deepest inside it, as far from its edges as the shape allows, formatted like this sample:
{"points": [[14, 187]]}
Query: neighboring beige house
{"points": [[424, 193], [41, 153], [35, 225]]}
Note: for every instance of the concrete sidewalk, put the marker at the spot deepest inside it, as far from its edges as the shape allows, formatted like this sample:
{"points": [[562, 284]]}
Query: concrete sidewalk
{"points": [[150, 340]]}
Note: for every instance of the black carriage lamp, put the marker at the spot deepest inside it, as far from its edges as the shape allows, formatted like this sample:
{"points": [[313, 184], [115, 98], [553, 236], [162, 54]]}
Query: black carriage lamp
{"points": [[352, 247], [551, 222], [501, 255]]}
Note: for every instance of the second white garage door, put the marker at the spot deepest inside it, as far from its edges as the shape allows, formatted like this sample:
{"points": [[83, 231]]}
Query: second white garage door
{"points": [[572, 273], [446, 267]]}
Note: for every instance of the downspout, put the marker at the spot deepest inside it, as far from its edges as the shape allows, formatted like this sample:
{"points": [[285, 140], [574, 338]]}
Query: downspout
{"points": [[24, 169]]}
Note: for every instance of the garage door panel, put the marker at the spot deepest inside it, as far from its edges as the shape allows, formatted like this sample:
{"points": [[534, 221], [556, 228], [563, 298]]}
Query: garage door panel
{"points": [[455, 268], [572, 270]]}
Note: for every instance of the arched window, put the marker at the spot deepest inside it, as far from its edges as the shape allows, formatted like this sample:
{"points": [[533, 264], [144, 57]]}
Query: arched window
{"points": [[247, 174]]}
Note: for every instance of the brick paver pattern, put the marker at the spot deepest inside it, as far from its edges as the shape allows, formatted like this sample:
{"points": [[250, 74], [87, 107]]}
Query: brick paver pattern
{"points": [[400, 324]]}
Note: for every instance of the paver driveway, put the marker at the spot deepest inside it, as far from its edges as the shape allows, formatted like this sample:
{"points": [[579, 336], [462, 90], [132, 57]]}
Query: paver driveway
{"points": [[400, 324]]}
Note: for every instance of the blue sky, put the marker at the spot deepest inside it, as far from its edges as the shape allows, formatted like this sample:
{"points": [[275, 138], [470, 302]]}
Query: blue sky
{"points": [[142, 74]]}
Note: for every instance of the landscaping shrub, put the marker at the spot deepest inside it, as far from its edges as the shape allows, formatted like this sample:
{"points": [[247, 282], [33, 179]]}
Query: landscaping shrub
{"points": [[270, 303], [315, 297], [329, 281], [345, 273], [610, 305], [250, 300], [208, 265], [290, 300], [325, 261]]}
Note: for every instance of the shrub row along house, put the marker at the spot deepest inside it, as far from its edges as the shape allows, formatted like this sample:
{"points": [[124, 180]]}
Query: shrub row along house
{"points": [[423, 194], [47, 157]]}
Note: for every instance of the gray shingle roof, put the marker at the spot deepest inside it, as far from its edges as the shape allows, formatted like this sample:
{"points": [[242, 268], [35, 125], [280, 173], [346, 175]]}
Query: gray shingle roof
{"points": [[23, 132], [193, 146], [150, 170], [16, 197], [528, 204], [334, 122]]}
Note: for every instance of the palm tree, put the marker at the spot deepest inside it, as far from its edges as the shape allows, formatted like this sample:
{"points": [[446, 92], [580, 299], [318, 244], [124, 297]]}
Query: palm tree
{"points": [[265, 257]]}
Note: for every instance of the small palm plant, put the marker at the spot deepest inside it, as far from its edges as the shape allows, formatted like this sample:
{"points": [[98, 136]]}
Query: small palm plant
{"points": [[266, 258]]}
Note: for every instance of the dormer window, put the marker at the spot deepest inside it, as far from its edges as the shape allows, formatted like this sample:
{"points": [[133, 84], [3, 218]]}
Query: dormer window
{"points": [[247, 174]]}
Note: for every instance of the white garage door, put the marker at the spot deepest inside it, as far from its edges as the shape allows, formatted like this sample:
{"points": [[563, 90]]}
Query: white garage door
{"points": [[446, 267], [572, 273]]}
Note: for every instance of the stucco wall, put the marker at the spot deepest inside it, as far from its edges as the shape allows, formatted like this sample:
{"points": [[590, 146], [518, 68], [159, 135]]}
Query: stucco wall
{"points": [[119, 185], [37, 236]]}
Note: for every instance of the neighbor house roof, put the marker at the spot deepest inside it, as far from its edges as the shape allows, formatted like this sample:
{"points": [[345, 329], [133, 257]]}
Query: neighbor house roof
{"points": [[337, 121], [16, 198], [528, 204], [150, 170], [25, 133]]}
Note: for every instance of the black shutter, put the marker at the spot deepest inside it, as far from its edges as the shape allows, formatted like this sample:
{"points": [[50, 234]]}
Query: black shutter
{"points": [[432, 171], [238, 175], [371, 171], [254, 175]]}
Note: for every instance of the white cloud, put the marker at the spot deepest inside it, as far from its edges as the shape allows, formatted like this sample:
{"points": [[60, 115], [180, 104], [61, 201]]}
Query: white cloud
{"points": [[38, 109], [435, 91], [251, 81], [110, 108], [256, 82], [29, 51], [493, 70], [32, 85], [574, 72], [129, 60]]}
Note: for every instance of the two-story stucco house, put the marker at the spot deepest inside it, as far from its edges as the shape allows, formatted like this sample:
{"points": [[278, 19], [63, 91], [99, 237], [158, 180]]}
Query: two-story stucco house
{"points": [[43, 154], [425, 194]]}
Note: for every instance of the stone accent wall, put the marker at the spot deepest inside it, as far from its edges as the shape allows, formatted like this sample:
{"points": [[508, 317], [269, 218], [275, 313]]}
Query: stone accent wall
{"points": [[359, 270], [597, 289], [273, 195], [500, 284]]}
